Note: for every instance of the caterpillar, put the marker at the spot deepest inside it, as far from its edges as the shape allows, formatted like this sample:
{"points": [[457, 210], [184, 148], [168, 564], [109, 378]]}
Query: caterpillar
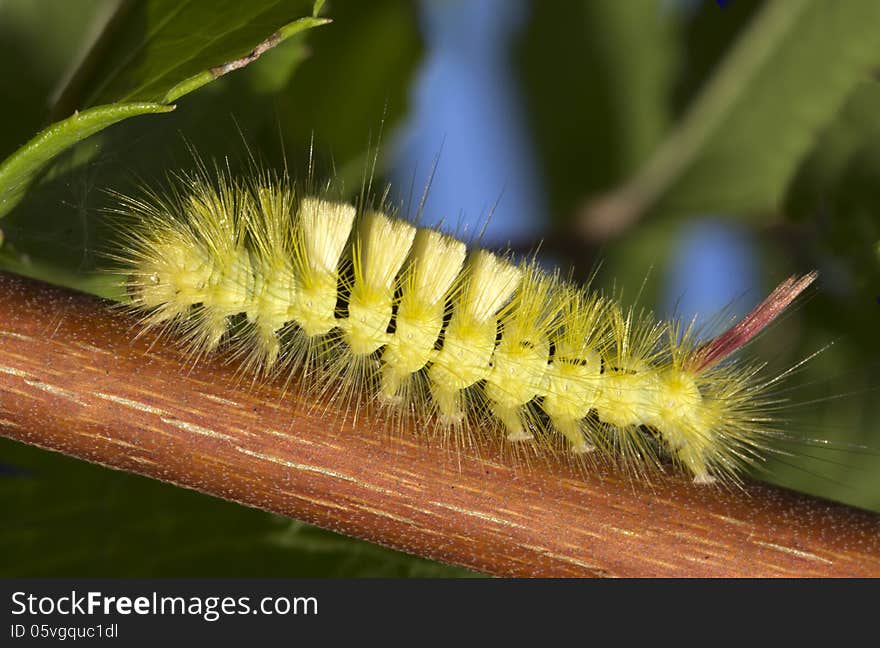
{"points": [[358, 302]]}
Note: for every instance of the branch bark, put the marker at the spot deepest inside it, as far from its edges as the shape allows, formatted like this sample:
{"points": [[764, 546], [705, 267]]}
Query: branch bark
{"points": [[75, 379]]}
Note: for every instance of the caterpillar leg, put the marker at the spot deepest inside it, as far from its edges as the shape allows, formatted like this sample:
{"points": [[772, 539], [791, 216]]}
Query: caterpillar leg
{"points": [[512, 420], [210, 328], [266, 347], [391, 383], [573, 431], [695, 461], [448, 401]]}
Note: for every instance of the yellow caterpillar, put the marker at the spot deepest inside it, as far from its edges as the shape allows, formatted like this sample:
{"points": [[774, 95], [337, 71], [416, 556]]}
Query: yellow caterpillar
{"points": [[409, 318]]}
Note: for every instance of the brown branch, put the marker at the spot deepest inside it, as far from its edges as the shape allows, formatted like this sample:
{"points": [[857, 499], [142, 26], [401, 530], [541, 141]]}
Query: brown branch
{"points": [[73, 379]]}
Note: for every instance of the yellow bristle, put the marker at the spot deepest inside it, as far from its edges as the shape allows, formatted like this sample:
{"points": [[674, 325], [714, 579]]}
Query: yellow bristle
{"points": [[324, 227], [381, 248], [490, 282], [437, 260]]}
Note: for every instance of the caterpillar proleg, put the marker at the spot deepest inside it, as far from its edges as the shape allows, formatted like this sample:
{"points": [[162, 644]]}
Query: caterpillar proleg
{"points": [[410, 319]]}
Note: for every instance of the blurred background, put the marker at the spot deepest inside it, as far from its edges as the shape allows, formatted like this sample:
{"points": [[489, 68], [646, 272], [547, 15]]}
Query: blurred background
{"points": [[691, 153]]}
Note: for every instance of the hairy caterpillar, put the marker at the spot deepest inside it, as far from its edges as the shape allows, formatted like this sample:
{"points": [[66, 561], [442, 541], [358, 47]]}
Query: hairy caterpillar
{"points": [[360, 301]]}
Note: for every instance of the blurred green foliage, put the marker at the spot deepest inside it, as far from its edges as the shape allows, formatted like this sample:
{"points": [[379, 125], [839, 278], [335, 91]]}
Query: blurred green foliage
{"points": [[148, 55], [765, 112]]}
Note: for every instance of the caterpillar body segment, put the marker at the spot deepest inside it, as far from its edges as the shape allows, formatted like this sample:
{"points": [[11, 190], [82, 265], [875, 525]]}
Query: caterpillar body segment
{"points": [[520, 362], [453, 337], [435, 263], [381, 247], [469, 339]]}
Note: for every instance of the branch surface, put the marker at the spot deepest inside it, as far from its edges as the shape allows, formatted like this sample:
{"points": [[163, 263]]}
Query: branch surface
{"points": [[74, 378]]}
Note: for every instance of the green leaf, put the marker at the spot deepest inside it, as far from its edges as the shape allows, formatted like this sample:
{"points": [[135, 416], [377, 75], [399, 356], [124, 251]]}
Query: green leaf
{"points": [[160, 50], [153, 53], [741, 141], [21, 167], [197, 80]]}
